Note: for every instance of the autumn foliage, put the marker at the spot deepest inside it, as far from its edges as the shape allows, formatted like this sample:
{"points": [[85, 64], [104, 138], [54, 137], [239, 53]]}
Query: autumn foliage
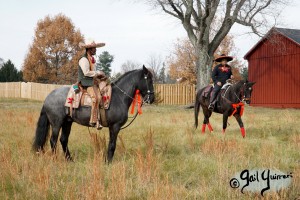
{"points": [[182, 63], [53, 56]]}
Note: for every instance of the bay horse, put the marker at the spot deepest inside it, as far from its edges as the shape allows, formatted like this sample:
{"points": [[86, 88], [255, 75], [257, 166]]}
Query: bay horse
{"points": [[229, 102], [54, 112]]}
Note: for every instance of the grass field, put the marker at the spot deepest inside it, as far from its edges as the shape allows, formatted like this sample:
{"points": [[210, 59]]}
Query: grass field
{"points": [[160, 156]]}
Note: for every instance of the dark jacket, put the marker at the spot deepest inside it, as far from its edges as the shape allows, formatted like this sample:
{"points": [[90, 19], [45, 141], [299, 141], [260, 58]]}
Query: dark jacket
{"points": [[221, 73]]}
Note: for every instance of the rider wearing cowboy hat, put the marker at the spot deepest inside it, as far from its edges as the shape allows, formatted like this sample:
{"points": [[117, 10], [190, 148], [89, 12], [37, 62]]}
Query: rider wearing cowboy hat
{"points": [[220, 74], [86, 74]]}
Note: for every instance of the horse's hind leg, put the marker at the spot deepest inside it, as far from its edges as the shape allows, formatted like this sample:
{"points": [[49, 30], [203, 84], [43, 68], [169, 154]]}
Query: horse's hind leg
{"points": [[239, 120], [54, 137], [64, 138]]}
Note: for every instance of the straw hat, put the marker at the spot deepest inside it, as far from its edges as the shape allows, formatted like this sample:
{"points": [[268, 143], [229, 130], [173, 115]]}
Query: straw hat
{"points": [[90, 43], [223, 56]]}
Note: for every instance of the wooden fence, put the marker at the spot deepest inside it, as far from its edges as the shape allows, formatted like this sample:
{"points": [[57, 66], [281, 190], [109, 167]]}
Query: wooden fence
{"points": [[169, 94], [175, 94]]}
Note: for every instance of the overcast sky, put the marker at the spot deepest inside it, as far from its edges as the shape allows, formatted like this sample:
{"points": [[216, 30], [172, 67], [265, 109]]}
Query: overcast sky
{"points": [[131, 31]]}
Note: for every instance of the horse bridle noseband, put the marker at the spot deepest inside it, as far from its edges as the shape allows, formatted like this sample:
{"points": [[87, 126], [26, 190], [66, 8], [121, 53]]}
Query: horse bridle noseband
{"points": [[243, 93], [148, 93]]}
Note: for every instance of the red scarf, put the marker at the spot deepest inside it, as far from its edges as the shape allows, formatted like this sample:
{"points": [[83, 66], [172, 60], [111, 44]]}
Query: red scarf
{"points": [[224, 68], [92, 61]]}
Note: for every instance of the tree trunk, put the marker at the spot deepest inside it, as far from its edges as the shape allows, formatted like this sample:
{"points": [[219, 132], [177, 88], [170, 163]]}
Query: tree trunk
{"points": [[203, 66]]}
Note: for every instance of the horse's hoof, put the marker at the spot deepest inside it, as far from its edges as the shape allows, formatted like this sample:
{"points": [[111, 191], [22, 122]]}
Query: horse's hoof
{"points": [[69, 159]]}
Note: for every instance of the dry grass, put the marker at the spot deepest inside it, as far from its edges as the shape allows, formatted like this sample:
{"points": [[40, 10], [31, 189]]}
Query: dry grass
{"points": [[160, 156]]}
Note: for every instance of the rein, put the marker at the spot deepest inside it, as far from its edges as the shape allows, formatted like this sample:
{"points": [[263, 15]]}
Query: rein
{"points": [[136, 99], [235, 106]]}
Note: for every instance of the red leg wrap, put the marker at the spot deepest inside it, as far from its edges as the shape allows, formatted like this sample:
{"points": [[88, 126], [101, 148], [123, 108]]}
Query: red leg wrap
{"points": [[203, 128], [224, 131], [210, 127], [243, 132]]}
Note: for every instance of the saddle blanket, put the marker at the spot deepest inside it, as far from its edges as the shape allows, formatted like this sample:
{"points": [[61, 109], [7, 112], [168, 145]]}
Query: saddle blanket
{"points": [[74, 100], [83, 98]]}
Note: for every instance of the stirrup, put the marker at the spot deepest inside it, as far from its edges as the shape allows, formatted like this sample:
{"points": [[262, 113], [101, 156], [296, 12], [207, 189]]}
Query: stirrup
{"points": [[211, 106], [92, 124], [98, 125]]}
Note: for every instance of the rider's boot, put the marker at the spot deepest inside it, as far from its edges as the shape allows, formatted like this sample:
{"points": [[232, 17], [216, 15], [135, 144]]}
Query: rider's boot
{"points": [[212, 101]]}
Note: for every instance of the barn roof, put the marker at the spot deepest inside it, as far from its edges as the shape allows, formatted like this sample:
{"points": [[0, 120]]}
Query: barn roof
{"points": [[291, 34]]}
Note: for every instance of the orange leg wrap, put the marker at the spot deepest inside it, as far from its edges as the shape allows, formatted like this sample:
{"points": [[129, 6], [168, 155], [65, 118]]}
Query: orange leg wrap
{"points": [[203, 128], [243, 132]]}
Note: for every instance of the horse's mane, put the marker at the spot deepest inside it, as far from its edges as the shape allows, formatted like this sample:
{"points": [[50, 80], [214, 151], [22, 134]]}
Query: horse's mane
{"points": [[124, 75], [238, 84]]}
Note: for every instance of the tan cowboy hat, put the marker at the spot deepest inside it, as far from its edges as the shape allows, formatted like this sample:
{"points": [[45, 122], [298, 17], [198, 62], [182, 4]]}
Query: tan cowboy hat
{"points": [[223, 56], [90, 43]]}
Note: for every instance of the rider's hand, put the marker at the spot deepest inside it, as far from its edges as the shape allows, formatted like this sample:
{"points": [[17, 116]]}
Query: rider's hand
{"points": [[100, 73], [231, 77], [219, 83]]}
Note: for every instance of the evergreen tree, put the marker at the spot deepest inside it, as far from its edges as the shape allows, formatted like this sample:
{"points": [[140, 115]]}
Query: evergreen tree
{"points": [[104, 62], [9, 73], [162, 75]]}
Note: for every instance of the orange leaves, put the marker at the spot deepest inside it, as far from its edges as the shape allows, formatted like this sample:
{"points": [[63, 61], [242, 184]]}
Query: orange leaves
{"points": [[53, 56], [182, 62]]}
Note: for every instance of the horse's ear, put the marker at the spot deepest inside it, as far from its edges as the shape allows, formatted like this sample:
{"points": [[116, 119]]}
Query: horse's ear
{"points": [[251, 84], [145, 70]]}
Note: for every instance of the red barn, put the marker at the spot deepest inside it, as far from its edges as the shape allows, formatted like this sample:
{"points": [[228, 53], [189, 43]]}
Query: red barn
{"points": [[274, 64]]}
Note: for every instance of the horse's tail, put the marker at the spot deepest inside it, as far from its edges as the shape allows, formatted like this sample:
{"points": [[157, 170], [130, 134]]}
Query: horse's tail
{"points": [[197, 108], [42, 131]]}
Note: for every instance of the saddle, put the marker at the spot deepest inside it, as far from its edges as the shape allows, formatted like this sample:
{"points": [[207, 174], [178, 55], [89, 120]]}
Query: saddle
{"points": [[207, 92], [82, 98]]}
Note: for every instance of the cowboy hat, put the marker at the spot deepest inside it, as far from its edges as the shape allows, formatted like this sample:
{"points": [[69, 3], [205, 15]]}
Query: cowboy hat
{"points": [[90, 43], [223, 56]]}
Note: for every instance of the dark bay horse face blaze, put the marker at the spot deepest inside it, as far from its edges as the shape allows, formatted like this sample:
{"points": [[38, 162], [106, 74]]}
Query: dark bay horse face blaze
{"points": [[248, 87], [146, 86]]}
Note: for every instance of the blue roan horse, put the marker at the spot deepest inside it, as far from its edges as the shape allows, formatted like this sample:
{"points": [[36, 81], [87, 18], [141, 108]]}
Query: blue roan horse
{"points": [[54, 111]]}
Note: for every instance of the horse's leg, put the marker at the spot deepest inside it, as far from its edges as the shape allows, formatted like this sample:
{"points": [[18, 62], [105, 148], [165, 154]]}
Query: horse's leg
{"points": [[239, 120], [54, 137], [225, 119], [207, 113], [113, 135], [64, 138]]}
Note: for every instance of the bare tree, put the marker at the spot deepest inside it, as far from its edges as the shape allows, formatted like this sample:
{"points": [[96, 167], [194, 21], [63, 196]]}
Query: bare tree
{"points": [[155, 63], [130, 65], [198, 17]]}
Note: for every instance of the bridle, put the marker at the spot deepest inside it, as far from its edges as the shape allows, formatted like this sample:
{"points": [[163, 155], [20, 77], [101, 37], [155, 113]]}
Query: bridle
{"points": [[148, 93], [242, 96]]}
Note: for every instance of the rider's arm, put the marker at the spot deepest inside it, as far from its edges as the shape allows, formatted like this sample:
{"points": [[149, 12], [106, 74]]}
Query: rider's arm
{"points": [[85, 67]]}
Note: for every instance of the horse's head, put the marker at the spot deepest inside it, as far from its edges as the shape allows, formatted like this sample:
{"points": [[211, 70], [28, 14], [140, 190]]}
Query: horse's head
{"points": [[145, 86], [247, 91]]}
